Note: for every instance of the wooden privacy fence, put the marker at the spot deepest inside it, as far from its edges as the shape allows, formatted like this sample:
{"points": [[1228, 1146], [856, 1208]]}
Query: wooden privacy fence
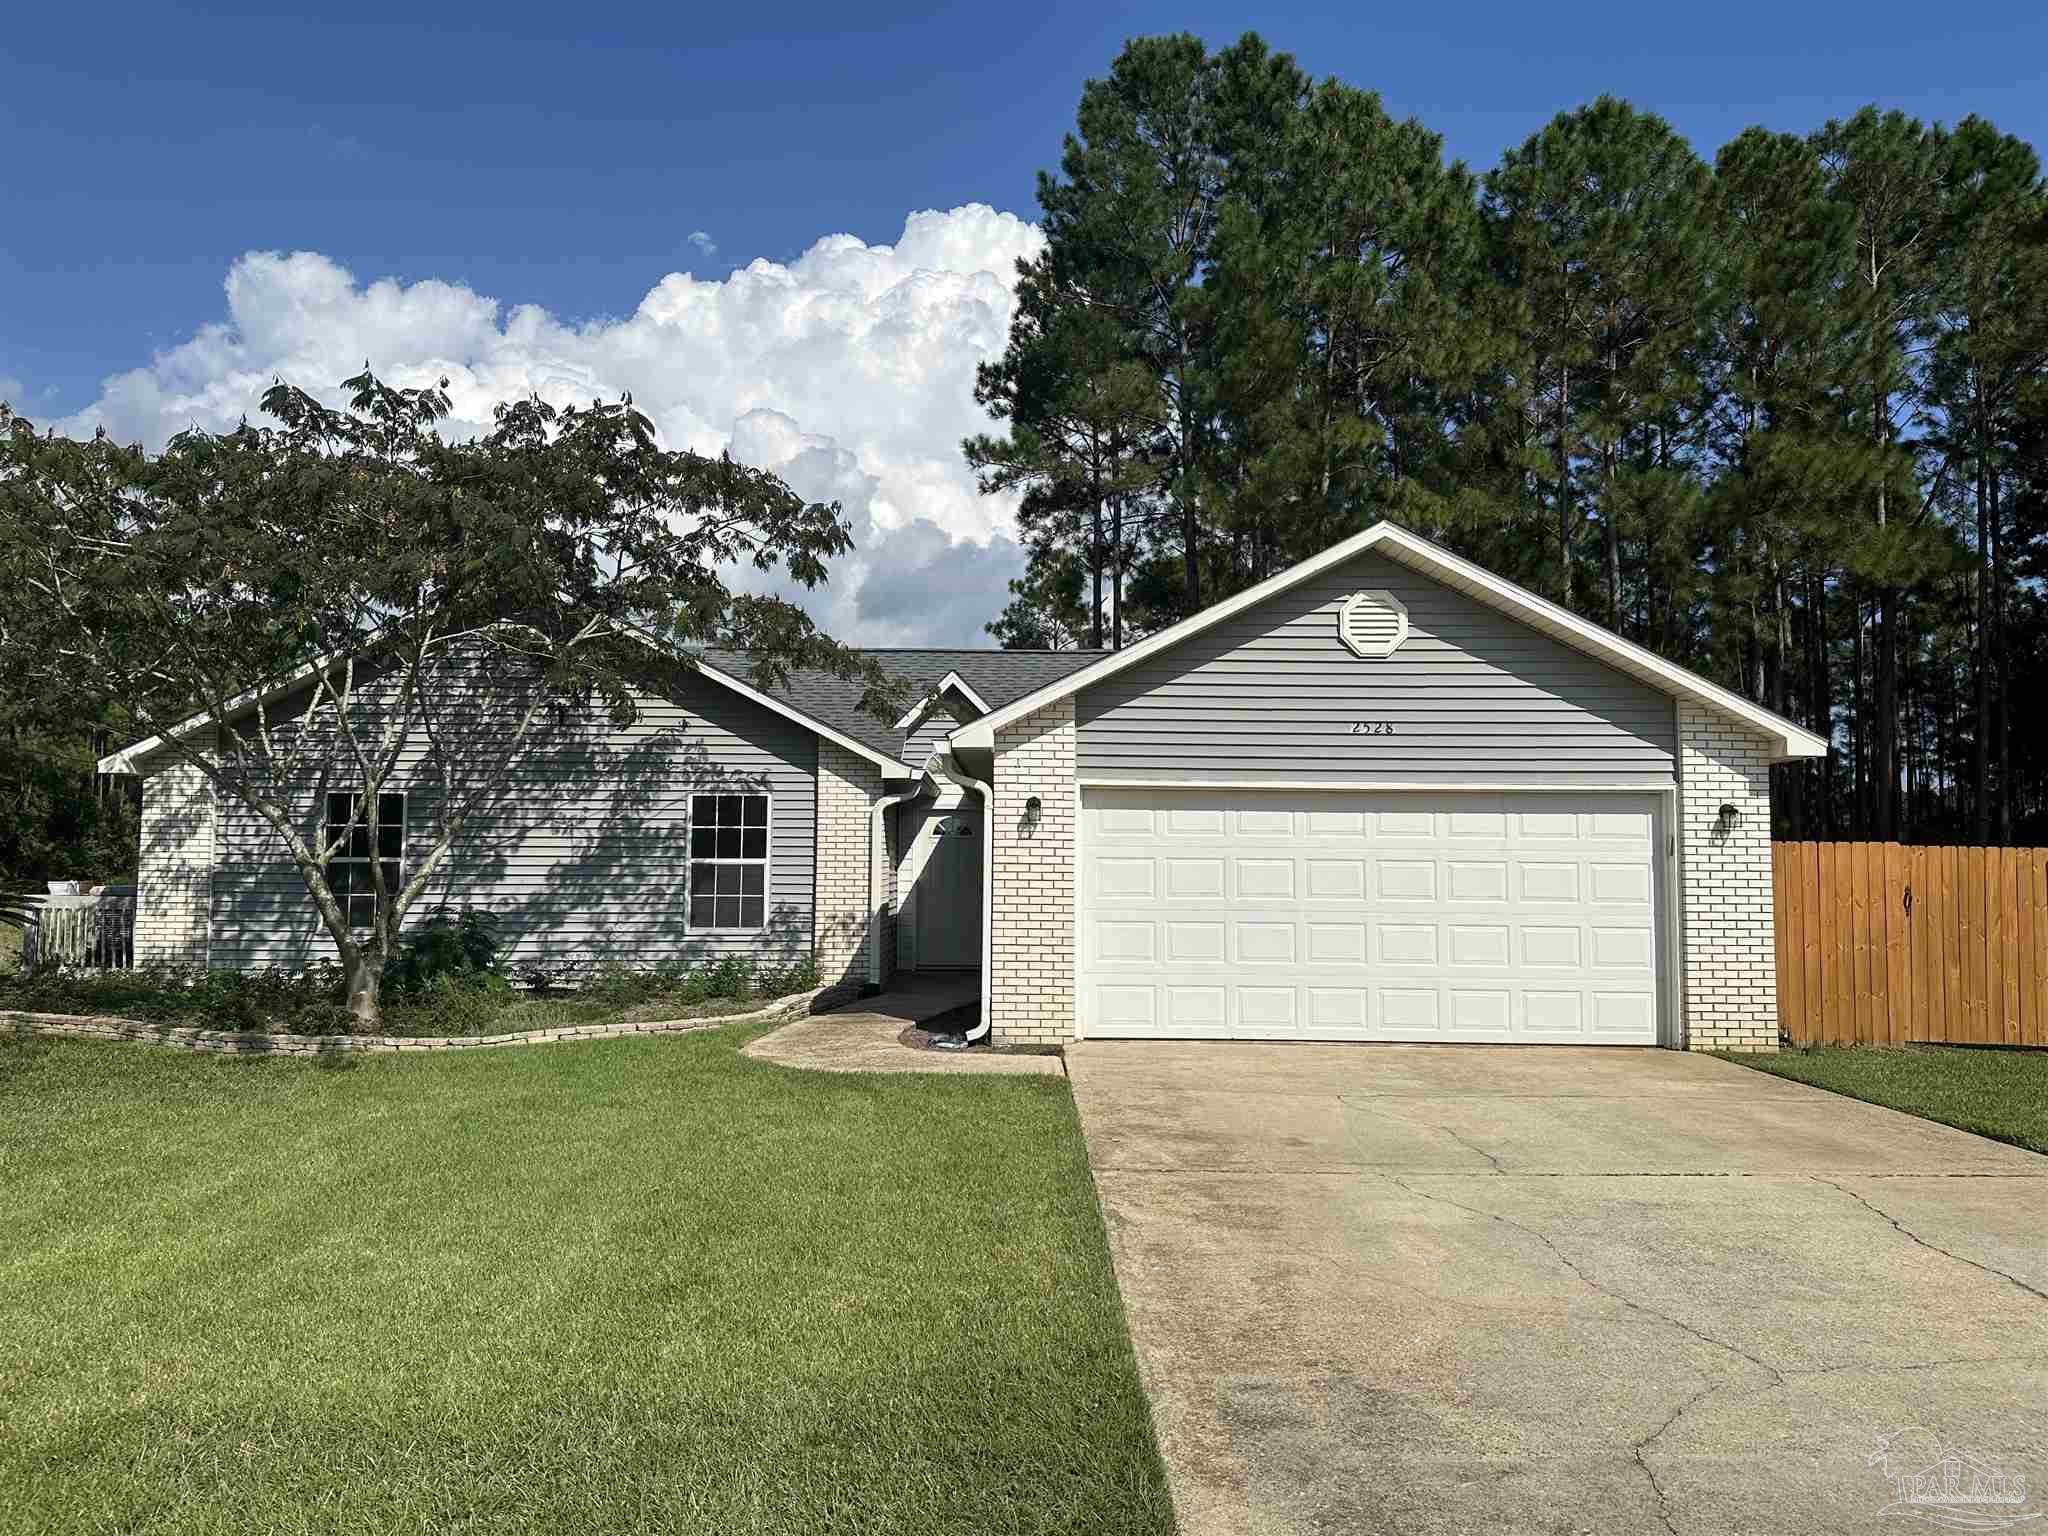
{"points": [[1881, 944]]}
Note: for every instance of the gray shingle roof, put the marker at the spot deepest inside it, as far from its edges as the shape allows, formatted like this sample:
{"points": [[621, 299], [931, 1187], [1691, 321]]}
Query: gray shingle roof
{"points": [[1000, 677]]}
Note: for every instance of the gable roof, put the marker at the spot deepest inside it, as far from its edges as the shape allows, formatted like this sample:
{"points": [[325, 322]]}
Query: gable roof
{"points": [[952, 683], [1790, 740], [997, 677], [816, 700]]}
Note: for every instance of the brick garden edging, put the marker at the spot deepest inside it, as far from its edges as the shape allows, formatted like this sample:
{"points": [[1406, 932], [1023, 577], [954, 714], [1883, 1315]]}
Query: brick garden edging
{"points": [[100, 1027]]}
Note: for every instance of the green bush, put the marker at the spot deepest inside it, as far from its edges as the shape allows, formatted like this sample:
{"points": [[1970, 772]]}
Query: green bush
{"points": [[445, 982], [450, 1005], [733, 978], [463, 947], [178, 995]]}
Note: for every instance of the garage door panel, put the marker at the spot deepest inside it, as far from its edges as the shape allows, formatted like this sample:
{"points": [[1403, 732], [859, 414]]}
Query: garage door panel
{"points": [[1336, 943], [1624, 1015], [1410, 880], [1264, 879], [1392, 916], [1267, 943], [1195, 943], [1335, 879]]}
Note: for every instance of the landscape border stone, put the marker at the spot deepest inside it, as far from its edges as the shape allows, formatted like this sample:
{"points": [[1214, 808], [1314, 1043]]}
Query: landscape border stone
{"points": [[74, 1026]]}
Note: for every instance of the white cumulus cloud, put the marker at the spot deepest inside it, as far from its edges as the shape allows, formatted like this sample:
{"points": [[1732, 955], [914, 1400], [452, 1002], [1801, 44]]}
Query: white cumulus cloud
{"points": [[703, 241], [849, 372]]}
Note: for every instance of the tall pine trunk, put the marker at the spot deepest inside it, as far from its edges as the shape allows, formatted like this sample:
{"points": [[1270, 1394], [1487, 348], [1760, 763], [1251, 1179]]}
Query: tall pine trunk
{"points": [[1095, 559], [1980, 822], [1564, 483], [1998, 590], [1116, 615]]}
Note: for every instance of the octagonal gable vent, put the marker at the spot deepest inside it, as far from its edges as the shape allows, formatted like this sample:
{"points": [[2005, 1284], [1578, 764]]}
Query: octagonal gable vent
{"points": [[1373, 623]]}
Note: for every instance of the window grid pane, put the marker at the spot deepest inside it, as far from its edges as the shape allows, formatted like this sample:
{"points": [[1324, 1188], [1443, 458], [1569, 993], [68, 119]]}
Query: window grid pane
{"points": [[728, 869], [364, 842]]}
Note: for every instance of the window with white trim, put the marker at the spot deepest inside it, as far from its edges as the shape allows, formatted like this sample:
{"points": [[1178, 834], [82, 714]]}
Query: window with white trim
{"points": [[364, 840], [728, 862]]}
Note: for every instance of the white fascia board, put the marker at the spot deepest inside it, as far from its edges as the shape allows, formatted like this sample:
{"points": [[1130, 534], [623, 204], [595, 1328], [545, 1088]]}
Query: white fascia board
{"points": [[952, 682], [1793, 741], [889, 765], [975, 733], [124, 760]]}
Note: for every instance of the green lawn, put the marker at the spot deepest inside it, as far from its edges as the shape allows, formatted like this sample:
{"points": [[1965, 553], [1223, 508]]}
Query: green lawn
{"points": [[2000, 1094], [634, 1285]]}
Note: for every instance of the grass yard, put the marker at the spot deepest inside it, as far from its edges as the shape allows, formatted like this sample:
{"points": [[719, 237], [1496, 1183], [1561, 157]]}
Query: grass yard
{"points": [[626, 1286], [2000, 1094]]}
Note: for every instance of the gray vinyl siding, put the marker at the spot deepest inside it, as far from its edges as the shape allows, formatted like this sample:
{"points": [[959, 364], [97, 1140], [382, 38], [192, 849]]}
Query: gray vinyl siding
{"points": [[583, 858], [1472, 695], [929, 735]]}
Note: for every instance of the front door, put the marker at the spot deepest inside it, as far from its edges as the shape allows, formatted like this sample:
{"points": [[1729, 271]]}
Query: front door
{"points": [[946, 889]]}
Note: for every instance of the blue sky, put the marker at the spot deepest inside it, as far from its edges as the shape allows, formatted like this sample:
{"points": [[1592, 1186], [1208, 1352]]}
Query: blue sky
{"points": [[558, 154], [562, 157]]}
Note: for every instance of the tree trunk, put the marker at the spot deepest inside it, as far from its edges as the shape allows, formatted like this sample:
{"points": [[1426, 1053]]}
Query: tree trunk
{"points": [[1980, 823], [1820, 702], [364, 973], [1116, 615], [1607, 516], [1095, 555], [1884, 768], [1188, 517], [1998, 646], [1564, 485], [1859, 757]]}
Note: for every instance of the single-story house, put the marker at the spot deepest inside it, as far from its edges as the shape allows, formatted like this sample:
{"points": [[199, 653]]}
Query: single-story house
{"points": [[1384, 795]]}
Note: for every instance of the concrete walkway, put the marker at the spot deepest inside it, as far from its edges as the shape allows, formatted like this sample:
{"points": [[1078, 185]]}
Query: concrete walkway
{"points": [[1467, 1288], [864, 1035]]}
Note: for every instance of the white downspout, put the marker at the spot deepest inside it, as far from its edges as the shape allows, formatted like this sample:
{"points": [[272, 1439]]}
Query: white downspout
{"points": [[943, 763], [876, 839]]}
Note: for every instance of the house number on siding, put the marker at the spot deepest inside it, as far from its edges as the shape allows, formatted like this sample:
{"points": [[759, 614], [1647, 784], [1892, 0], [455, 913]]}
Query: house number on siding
{"points": [[1372, 727]]}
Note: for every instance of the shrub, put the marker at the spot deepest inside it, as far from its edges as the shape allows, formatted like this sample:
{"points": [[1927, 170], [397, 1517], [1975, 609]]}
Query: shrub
{"points": [[463, 947], [451, 1005], [781, 981], [177, 995]]}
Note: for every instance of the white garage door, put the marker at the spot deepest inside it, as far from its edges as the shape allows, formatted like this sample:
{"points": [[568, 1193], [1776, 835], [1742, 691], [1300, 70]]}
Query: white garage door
{"points": [[1386, 916]]}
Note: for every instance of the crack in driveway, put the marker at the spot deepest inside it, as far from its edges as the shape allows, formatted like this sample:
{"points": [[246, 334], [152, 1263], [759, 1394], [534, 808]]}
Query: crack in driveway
{"points": [[1906, 1231], [1594, 1285]]}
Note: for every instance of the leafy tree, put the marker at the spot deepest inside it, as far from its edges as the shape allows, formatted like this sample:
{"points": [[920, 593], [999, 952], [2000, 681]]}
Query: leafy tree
{"points": [[1046, 611], [1344, 262], [1886, 170], [1600, 225], [1990, 347], [1084, 425], [1128, 224], [467, 602]]}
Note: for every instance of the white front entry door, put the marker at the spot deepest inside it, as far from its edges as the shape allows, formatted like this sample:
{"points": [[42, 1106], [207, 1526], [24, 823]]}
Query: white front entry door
{"points": [[944, 864], [1333, 915]]}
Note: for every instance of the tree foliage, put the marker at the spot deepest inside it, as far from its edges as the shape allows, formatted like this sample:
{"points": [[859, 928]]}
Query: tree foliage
{"points": [[339, 600], [1779, 418]]}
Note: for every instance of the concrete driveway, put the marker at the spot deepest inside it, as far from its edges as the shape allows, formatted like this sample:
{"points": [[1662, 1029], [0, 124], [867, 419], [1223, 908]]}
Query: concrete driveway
{"points": [[1501, 1289]]}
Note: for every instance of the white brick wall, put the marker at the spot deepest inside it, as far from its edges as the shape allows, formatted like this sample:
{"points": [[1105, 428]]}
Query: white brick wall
{"points": [[1032, 974], [174, 875], [852, 893], [1729, 971]]}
